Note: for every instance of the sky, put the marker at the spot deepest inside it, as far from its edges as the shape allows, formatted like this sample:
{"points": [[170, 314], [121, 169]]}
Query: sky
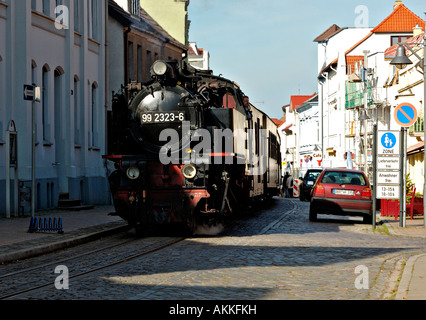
{"points": [[267, 46]]}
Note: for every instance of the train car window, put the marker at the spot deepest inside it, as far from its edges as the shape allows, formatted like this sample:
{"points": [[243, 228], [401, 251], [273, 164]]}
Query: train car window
{"points": [[228, 101]]}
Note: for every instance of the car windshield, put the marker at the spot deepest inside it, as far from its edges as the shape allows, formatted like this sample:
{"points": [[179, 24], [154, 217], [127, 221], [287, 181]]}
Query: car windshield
{"points": [[312, 176], [349, 178]]}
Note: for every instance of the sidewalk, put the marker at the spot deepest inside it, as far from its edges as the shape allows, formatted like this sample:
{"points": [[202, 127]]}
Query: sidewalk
{"points": [[412, 285], [78, 226]]}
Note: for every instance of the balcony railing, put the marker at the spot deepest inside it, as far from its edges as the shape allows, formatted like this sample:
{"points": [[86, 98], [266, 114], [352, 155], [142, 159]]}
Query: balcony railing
{"points": [[355, 94]]}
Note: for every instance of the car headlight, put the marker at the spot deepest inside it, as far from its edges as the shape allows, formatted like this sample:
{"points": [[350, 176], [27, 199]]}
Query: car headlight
{"points": [[159, 68], [132, 173], [189, 171]]}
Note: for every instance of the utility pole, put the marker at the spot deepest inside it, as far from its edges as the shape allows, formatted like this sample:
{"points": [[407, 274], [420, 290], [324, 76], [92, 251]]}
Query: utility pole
{"points": [[366, 52]]}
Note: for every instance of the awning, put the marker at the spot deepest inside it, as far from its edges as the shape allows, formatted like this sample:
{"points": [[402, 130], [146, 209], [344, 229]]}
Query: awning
{"points": [[419, 147]]}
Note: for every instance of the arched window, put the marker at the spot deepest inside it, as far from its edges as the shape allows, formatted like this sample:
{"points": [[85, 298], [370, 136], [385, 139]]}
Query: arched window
{"points": [[94, 114], [45, 100], [77, 111], [2, 100]]}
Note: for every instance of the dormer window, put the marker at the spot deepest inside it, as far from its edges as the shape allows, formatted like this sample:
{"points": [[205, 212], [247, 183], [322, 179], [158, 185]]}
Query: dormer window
{"points": [[134, 7]]}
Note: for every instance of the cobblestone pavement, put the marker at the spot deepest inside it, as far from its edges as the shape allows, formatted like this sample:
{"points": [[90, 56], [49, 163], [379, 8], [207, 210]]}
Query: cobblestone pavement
{"points": [[275, 254]]}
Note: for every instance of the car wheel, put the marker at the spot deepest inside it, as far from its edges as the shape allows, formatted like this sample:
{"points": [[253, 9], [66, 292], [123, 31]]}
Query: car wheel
{"points": [[367, 219], [312, 214]]}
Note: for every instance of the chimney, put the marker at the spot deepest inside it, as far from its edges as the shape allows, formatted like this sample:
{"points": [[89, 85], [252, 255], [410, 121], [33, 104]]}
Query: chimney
{"points": [[397, 3], [417, 30]]}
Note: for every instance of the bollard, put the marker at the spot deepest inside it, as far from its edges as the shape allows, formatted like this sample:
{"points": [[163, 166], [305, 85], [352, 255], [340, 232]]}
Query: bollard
{"points": [[45, 225]]}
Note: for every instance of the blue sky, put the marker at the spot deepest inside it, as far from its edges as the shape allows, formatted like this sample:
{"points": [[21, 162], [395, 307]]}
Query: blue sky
{"points": [[267, 46]]}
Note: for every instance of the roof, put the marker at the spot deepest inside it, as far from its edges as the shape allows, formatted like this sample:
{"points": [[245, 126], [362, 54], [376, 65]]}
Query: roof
{"points": [[412, 42], [194, 50], [400, 20], [298, 100], [327, 34], [277, 122]]}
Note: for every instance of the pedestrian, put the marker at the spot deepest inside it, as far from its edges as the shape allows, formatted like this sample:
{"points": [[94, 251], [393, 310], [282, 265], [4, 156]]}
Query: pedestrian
{"points": [[284, 185], [289, 184]]}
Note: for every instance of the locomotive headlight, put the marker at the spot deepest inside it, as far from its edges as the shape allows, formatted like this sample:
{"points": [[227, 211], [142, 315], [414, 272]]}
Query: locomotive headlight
{"points": [[189, 171], [133, 173], [159, 68]]}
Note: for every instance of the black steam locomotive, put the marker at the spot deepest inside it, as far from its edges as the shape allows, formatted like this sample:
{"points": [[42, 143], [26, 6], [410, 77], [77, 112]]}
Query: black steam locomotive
{"points": [[186, 148]]}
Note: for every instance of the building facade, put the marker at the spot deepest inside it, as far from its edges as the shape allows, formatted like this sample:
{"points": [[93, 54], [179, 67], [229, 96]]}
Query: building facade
{"points": [[135, 41], [198, 58], [345, 96], [171, 15], [59, 47]]}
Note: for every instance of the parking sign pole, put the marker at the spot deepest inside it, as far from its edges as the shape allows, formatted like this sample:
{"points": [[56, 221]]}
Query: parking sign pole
{"points": [[33, 138], [374, 173], [402, 180]]}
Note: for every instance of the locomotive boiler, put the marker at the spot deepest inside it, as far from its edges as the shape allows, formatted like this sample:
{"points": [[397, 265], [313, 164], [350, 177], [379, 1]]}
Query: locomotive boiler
{"points": [[187, 148]]}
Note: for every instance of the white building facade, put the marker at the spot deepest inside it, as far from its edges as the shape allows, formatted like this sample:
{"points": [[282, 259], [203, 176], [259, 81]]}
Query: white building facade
{"points": [[60, 47], [343, 95]]}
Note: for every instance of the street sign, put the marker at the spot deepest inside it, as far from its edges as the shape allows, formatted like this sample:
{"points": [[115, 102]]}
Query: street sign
{"points": [[405, 114], [388, 192], [31, 93], [388, 177], [28, 92], [388, 163], [388, 143]]}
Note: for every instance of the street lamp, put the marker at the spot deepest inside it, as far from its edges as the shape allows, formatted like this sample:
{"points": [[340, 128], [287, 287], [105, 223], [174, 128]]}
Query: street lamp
{"points": [[401, 61]]}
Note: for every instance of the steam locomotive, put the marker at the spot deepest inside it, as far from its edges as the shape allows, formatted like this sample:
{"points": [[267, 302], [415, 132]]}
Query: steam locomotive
{"points": [[188, 148]]}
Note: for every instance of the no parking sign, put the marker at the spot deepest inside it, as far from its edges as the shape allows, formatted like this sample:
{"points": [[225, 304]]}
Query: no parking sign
{"points": [[405, 114]]}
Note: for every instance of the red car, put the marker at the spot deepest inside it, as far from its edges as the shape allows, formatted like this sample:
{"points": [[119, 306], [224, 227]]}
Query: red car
{"points": [[341, 192]]}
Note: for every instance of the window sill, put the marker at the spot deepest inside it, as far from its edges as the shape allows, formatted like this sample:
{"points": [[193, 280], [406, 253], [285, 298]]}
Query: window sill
{"points": [[94, 149], [47, 143]]}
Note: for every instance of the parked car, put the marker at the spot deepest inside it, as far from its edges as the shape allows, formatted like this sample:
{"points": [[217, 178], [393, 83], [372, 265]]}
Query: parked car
{"points": [[342, 192], [308, 183]]}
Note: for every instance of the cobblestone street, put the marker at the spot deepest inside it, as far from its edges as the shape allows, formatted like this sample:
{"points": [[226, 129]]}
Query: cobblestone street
{"points": [[275, 254]]}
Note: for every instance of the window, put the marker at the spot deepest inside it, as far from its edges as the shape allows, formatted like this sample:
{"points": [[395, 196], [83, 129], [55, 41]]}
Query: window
{"points": [[396, 39], [347, 178], [92, 18], [228, 101], [46, 7], [148, 63], [139, 65], [44, 100], [134, 7], [93, 115], [95, 19], [77, 122], [34, 79], [77, 15], [2, 106], [130, 61]]}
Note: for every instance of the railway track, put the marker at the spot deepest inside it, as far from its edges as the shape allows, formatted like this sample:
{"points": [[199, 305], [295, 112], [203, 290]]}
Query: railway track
{"points": [[17, 283]]}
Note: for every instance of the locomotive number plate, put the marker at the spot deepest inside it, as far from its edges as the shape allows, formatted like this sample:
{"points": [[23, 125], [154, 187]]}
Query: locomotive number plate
{"points": [[162, 117]]}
